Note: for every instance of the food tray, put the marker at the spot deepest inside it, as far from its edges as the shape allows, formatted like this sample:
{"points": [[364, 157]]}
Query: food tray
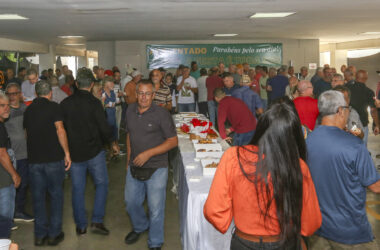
{"points": [[209, 171], [216, 148], [214, 141]]}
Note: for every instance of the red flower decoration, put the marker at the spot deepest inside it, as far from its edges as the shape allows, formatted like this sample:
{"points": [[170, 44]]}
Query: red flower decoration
{"points": [[185, 128]]}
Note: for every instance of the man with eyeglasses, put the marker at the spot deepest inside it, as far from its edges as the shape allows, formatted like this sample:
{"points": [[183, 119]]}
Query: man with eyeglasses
{"points": [[151, 134], [306, 105], [342, 170], [9, 178], [15, 129]]}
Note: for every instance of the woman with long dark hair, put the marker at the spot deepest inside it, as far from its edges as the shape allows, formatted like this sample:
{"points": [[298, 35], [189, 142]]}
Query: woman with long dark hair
{"points": [[266, 187]]}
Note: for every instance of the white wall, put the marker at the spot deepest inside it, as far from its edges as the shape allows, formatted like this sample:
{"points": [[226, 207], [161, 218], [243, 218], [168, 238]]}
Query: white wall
{"points": [[300, 52], [106, 52]]}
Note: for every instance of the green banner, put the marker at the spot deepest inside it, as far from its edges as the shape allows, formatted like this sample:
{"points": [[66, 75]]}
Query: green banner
{"points": [[209, 55]]}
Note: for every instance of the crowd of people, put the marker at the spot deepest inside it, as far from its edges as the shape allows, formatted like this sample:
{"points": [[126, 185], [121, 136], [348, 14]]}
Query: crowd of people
{"points": [[275, 185]]}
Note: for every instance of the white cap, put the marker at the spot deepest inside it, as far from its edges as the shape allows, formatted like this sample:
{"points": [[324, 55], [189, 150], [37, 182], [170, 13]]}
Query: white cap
{"points": [[136, 73]]}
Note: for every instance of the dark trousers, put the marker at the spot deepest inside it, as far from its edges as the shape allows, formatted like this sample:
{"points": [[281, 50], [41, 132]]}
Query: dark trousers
{"points": [[47, 178], [124, 107], [203, 108], [238, 243], [23, 171]]}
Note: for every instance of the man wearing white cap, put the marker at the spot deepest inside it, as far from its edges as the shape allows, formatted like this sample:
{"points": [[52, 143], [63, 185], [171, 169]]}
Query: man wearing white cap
{"points": [[130, 88]]}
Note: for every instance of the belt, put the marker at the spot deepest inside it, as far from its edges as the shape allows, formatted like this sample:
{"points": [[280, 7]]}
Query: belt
{"points": [[257, 238]]}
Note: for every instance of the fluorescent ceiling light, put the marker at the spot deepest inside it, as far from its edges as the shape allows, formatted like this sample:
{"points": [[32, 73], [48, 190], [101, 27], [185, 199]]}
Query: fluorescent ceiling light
{"points": [[74, 44], [12, 17], [225, 34], [371, 33], [272, 15], [70, 36]]}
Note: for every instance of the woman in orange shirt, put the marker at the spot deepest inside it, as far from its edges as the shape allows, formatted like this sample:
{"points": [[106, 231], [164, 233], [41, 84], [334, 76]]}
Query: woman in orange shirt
{"points": [[273, 200]]}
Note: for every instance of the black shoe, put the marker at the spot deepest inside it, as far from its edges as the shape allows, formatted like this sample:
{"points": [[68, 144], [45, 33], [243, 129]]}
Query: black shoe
{"points": [[81, 231], [132, 237], [39, 241], [99, 228], [56, 240], [155, 248]]}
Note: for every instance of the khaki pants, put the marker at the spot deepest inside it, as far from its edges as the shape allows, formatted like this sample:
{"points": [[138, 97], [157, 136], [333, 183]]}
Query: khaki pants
{"points": [[319, 243]]}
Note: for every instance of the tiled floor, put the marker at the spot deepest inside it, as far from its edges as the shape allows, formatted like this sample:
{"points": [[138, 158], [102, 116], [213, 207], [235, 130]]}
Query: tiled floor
{"points": [[118, 222]]}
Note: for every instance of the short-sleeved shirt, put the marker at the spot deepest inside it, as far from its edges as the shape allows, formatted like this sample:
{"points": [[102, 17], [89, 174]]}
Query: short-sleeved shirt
{"points": [[342, 169], [320, 87], [249, 97], [162, 96], [5, 178], [202, 90], [148, 130], [15, 129], [186, 96], [361, 99], [307, 109], [263, 82], [278, 84], [42, 139]]}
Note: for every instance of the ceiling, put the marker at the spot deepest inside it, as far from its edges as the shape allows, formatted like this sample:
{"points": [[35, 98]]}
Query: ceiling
{"points": [[101, 20]]}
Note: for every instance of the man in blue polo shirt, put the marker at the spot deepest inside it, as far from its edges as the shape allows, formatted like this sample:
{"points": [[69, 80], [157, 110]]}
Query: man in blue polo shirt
{"points": [[342, 169]]}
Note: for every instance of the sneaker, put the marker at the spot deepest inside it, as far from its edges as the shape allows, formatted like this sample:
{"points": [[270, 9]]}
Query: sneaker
{"points": [[23, 217], [14, 226]]}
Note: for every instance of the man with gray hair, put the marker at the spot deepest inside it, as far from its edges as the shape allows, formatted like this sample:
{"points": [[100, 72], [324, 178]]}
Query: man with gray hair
{"points": [[48, 154], [87, 130], [15, 129], [279, 83], [304, 74], [58, 94], [337, 80], [342, 169], [28, 86], [9, 178]]}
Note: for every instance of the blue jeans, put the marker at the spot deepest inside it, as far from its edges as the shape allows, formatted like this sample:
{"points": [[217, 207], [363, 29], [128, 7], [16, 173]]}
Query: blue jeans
{"points": [[23, 171], [212, 111], [155, 190], [47, 178], [98, 170], [365, 138], [7, 201], [243, 138], [189, 107], [265, 104]]}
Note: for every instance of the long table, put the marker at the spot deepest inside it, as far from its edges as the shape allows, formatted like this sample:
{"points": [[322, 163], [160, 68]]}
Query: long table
{"points": [[196, 232]]}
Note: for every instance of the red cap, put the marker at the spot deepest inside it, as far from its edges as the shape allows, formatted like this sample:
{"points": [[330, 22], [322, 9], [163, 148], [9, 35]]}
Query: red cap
{"points": [[108, 72]]}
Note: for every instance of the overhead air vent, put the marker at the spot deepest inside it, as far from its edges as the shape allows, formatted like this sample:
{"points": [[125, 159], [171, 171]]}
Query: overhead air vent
{"points": [[102, 11]]}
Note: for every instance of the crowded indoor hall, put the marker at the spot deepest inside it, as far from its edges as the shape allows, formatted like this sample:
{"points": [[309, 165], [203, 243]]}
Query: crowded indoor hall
{"points": [[194, 125]]}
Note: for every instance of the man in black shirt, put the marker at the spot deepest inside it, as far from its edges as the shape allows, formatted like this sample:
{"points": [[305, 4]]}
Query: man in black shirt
{"points": [[88, 131], [362, 97], [150, 135], [9, 179], [48, 154]]}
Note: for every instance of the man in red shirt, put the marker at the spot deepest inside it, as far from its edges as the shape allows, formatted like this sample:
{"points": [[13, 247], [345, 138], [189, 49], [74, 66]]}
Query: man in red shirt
{"points": [[212, 82], [243, 123], [306, 105]]}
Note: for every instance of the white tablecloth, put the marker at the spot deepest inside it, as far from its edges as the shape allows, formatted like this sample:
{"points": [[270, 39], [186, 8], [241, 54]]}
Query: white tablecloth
{"points": [[196, 232]]}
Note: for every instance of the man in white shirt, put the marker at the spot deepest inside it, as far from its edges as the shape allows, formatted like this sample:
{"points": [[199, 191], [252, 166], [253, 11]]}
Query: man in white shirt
{"points": [[28, 86], [304, 74], [187, 87]]}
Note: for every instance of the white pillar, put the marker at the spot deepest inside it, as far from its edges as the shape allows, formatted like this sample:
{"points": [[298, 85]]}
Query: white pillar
{"points": [[47, 60]]}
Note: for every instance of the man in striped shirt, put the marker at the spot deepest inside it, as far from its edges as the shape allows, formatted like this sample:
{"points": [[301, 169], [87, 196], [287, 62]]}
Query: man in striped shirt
{"points": [[163, 96]]}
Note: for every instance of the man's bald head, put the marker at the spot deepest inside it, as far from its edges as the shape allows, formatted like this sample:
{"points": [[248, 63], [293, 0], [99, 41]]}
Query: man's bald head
{"points": [[305, 88], [362, 76]]}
